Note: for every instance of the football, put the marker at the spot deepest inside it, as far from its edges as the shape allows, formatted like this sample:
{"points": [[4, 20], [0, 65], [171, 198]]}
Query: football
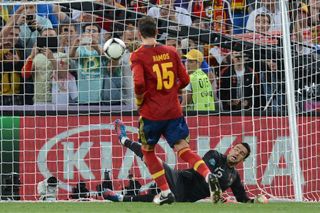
{"points": [[114, 48]]}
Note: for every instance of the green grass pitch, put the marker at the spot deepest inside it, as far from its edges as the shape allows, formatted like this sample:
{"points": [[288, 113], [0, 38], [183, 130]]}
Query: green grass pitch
{"points": [[108, 207]]}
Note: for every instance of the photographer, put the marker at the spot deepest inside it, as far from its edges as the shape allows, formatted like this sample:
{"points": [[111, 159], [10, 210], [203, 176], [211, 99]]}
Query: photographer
{"points": [[118, 84], [40, 65], [133, 186], [238, 83], [30, 27], [10, 84], [67, 33], [80, 191], [10, 186], [91, 70], [48, 189], [314, 7], [10, 65]]}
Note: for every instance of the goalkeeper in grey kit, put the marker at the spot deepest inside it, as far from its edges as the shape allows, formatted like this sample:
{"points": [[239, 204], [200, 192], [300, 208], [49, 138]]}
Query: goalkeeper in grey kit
{"points": [[188, 186]]}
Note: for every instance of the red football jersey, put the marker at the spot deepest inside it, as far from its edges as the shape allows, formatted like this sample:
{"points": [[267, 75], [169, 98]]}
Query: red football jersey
{"points": [[158, 75]]}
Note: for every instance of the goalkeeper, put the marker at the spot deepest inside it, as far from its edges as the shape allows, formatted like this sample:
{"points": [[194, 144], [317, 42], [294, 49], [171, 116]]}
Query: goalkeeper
{"points": [[187, 185]]}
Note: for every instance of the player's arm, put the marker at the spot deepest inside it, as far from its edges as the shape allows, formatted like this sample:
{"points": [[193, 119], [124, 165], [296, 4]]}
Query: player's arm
{"points": [[73, 50], [241, 195], [42, 190], [183, 76], [138, 79], [239, 191], [186, 96]]}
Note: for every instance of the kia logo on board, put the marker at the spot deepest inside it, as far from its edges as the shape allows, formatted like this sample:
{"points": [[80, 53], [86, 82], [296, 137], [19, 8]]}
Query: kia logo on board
{"points": [[75, 157]]}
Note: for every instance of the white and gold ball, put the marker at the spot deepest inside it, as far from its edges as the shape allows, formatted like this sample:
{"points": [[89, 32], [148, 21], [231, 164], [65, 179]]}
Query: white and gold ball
{"points": [[114, 48]]}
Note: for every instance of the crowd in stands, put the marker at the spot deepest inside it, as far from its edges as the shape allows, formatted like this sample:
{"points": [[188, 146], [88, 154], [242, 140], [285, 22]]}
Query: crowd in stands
{"points": [[51, 54]]}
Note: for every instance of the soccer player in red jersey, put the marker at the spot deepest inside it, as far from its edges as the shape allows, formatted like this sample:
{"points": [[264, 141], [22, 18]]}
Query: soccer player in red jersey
{"points": [[158, 76]]}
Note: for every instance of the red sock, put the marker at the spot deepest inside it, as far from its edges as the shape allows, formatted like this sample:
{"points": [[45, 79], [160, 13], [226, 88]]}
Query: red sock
{"points": [[194, 160], [156, 169]]}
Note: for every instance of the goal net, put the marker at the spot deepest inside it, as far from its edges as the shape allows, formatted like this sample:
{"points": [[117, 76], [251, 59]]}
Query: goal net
{"points": [[60, 93]]}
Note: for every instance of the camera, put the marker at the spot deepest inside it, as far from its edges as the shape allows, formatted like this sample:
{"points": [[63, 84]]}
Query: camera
{"points": [[85, 41], [29, 17], [10, 186], [49, 42]]}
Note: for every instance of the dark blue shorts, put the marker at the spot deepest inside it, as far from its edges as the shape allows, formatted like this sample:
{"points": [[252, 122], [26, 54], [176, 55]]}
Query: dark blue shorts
{"points": [[172, 130]]}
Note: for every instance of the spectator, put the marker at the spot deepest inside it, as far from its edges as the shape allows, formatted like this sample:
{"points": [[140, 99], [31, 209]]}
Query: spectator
{"points": [[303, 15], [112, 83], [301, 29], [272, 85], [64, 86], [130, 38], [174, 42], [67, 34], [10, 85], [46, 11], [9, 38], [267, 6], [48, 189], [11, 31], [105, 22], [182, 3], [314, 7], [40, 65], [49, 32], [199, 93], [91, 64], [237, 82], [262, 23], [187, 44], [10, 186], [168, 11], [201, 24], [111, 2], [62, 15], [9, 35], [80, 191], [106, 36], [4, 13], [195, 7], [32, 25], [138, 6]]}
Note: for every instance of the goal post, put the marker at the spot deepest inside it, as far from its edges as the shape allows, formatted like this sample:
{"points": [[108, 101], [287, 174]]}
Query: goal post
{"points": [[291, 99]]}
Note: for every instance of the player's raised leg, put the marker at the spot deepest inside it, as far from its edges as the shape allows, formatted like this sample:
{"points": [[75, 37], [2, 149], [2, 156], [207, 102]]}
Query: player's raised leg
{"points": [[120, 130]]}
